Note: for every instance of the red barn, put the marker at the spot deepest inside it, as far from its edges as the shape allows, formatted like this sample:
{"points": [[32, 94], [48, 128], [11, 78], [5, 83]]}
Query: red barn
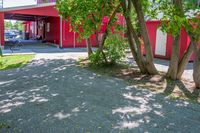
{"points": [[43, 20]]}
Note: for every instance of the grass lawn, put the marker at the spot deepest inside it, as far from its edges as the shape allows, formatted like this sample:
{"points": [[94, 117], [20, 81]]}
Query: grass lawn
{"points": [[14, 61]]}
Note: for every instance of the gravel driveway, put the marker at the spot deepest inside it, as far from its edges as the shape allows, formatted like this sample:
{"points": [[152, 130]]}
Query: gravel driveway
{"points": [[163, 65], [52, 95]]}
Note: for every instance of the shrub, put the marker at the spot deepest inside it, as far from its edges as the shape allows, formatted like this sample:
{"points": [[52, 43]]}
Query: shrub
{"points": [[114, 49]]}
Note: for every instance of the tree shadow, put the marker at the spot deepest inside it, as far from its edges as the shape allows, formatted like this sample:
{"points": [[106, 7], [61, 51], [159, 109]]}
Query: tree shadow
{"points": [[51, 96], [192, 93]]}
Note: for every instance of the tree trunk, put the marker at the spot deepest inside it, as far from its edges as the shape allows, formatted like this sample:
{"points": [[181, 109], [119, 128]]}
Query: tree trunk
{"points": [[89, 47], [176, 68], [184, 61], [135, 48], [173, 67], [137, 57], [101, 44], [105, 34], [196, 66], [147, 44]]}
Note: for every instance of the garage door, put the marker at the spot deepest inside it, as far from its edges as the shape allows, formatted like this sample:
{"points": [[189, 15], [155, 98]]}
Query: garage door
{"points": [[161, 43]]}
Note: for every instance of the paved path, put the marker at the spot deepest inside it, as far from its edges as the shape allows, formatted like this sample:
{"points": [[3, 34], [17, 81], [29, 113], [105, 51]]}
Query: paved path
{"points": [[42, 48], [52, 95]]}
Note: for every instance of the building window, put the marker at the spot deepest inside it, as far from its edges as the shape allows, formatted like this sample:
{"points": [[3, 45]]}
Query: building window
{"points": [[48, 27]]}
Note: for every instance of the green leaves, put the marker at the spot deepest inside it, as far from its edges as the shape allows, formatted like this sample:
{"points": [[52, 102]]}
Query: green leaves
{"points": [[86, 14], [114, 49], [177, 14]]}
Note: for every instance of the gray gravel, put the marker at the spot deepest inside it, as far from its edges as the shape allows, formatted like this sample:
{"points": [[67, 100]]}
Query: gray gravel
{"points": [[52, 95], [163, 65]]}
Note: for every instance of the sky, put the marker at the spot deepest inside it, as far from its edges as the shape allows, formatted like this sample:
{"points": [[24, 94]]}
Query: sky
{"points": [[14, 3]]}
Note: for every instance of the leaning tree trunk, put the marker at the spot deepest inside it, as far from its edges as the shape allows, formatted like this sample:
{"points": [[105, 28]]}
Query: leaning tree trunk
{"points": [[196, 66], [176, 68], [135, 53], [141, 59], [147, 44], [105, 34], [133, 40], [173, 67], [184, 61], [89, 47]]}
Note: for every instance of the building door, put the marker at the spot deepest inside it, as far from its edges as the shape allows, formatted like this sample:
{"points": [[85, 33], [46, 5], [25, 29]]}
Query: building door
{"points": [[161, 43]]}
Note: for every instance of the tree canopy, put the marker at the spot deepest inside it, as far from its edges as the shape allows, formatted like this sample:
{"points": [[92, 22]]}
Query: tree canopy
{"points": [[86, 15]]}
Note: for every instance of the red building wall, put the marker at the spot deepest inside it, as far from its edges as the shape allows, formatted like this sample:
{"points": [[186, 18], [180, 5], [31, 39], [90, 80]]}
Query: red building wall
{"points": [[72, 40], [184, 42], [67, 35], [40, 28], [53, 35], [2, 29], [27, 28]]}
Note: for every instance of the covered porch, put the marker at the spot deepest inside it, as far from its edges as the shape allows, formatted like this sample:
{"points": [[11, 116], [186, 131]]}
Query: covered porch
{"points": [[40, 20]]}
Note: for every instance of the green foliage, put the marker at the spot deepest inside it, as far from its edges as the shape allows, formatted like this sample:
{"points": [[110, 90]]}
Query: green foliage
{"points": [[114, 49], [97, 58], [174, 18], [8, 25], [85, 16], [17, 25]]}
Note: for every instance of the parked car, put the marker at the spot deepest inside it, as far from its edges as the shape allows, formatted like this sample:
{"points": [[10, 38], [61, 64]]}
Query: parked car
{"points": [[9, 35]]}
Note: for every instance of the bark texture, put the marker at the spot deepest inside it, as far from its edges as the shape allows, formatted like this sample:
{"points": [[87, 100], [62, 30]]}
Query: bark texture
{"points": [[173, 67], [133, 40], [177, 65], [196, 66], [105, 34], [89, 47], [137, 56], [147, 44], [184, 61]]}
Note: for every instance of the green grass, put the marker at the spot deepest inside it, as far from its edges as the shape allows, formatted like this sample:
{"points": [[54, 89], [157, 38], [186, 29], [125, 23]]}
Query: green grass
{"points": [[14, 61]]}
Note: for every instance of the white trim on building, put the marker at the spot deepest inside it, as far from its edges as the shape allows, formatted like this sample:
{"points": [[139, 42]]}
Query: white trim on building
{"points": [[27, 7]]}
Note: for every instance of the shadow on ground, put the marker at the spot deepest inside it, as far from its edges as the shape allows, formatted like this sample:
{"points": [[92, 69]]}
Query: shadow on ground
{"points": [[51, 96], [191, 93], [182, 89]]}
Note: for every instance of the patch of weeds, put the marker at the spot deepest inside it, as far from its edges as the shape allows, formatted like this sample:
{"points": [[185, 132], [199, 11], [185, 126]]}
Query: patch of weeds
{"points": [[4, 126]]}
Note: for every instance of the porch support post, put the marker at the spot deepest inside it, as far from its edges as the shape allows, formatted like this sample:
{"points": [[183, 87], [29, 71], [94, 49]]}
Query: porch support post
{"points": [[2, 42], [61, 32], [74, 40]]}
